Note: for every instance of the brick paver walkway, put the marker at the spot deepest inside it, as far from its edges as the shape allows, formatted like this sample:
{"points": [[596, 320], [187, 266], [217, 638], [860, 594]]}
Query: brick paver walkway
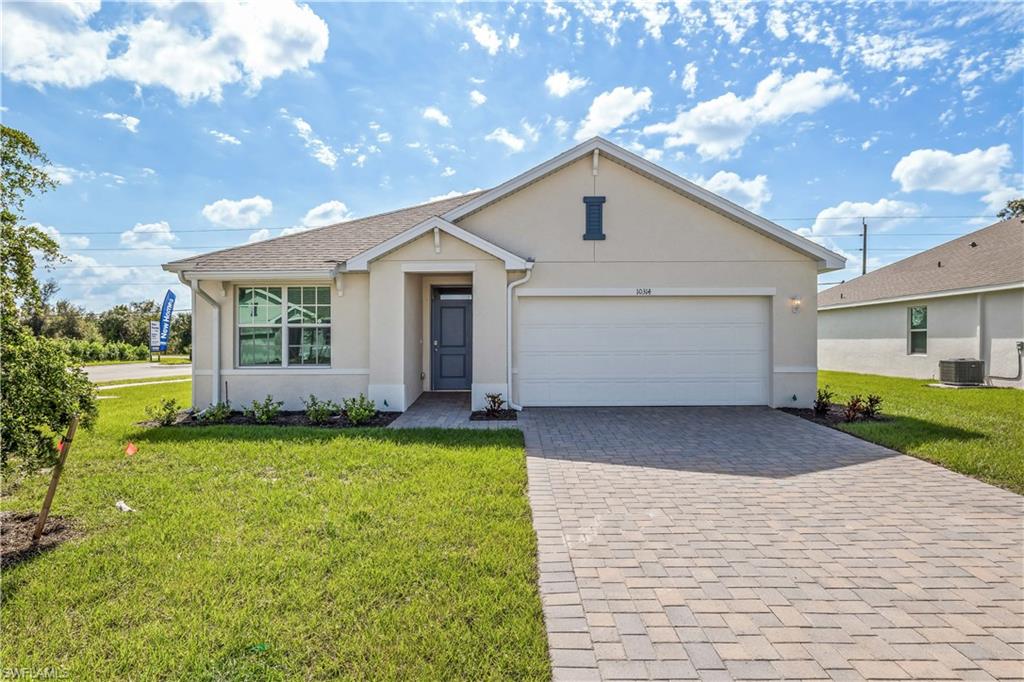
{"points": [[744, 543]]}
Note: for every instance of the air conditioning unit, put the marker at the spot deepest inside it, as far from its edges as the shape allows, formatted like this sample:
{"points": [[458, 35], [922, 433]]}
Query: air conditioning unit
{"points": [[962, 372]]}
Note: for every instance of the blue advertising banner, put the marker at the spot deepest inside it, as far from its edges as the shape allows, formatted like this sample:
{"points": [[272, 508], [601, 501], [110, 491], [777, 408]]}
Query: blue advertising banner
{"points": [[165, 319]]}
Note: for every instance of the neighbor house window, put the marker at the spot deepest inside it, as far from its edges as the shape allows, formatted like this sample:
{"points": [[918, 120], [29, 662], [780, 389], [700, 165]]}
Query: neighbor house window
{"points": [[284, 326], [918, 330]]}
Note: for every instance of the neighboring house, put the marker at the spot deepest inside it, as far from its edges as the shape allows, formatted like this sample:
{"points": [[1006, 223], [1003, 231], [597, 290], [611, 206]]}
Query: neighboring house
{"points": [[595, 278], [962, 299]]}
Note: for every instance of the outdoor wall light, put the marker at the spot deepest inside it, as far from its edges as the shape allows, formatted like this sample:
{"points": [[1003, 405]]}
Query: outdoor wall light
{"points": [[794, 303]]}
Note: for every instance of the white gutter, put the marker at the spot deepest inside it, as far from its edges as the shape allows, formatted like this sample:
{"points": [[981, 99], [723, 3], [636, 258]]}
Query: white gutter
{"points": [[508, 332], [215, 360]]}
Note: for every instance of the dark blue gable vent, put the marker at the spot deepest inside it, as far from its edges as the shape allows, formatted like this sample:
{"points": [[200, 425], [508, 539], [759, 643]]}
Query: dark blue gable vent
{"points": [[595, 218]]}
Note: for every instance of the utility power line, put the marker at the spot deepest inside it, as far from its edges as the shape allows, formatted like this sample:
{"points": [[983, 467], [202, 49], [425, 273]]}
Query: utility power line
{"points": [[222, 246], [805, 218]]}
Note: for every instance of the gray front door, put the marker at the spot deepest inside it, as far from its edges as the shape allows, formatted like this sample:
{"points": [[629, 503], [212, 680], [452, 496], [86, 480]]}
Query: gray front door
{"points": [[451, 339]]}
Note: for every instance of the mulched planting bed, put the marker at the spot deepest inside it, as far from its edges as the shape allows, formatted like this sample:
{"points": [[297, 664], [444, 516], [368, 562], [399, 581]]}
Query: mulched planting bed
{"points": [[832, 418], [285, 418], [16, 536], [499, 416]]}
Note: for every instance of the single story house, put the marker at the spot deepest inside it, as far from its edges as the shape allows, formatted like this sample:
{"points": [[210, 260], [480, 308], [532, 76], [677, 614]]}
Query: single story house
{"points": [[595, 278], [962, 299]]}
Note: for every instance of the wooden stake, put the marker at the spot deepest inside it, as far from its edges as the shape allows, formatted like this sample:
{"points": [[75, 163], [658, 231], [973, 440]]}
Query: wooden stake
{"points": [[65, 448]]}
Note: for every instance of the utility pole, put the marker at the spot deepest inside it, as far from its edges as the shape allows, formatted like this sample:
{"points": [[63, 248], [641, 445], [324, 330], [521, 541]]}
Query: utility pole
{"points": [[864, 247]]}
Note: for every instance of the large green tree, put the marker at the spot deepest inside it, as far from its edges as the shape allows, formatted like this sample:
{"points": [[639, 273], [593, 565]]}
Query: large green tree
{"points": [[128, 323], [40, 386], [181, 333], [1014, 209]]}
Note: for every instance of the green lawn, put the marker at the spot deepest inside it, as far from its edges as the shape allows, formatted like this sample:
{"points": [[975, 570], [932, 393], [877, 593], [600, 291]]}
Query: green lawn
{"points": [[976, 431], [179, 378], [268, 553]]}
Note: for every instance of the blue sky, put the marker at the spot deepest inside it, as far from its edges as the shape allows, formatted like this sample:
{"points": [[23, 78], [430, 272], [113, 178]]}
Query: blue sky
{"points": [[180, 128]]}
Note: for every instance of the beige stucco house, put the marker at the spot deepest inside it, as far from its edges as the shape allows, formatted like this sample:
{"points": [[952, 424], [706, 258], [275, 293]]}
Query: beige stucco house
{"points": [[595, 278], [961, 299]]}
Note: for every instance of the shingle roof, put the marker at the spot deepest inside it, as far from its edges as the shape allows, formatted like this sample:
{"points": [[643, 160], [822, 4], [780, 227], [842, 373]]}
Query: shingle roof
{"points": [[320, 248], [989, 257]]}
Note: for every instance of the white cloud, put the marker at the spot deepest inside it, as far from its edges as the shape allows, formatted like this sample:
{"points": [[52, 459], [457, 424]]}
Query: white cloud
{"points": [[241, 213], [437, 116], [561, 83], [979, 170], [720, 127], [776, 20], [477, 98], [649, 153], [1013, 61], [149, 236], [319, 149], [65, 175], [531, 132], [63, 241], [885, 53], [611, 109], [689, 81], [447, 172], [882, 215], [484, 35], [384, 137], [561, 127], [510, 140], [558, 14], [258, 236], [655, 15], [451, 195], [606, 14], [225, 138], [130, 123], [735, 17], [327, 213], [751, 194], [194, 53]]}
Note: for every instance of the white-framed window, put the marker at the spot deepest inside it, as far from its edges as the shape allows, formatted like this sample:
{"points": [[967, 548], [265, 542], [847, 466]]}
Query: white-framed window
{"points": [[917, 330], [284, 326]]}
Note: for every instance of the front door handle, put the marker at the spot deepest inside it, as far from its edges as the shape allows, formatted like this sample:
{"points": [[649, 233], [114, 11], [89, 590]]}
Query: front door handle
{"points": [[435, 345]]}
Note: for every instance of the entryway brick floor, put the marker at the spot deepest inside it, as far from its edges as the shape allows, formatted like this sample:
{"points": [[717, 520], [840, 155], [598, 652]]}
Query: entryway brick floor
{"points": [[744, 543]]}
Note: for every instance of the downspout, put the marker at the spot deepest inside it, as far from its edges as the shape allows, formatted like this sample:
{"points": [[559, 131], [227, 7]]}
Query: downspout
{"points": [[508, 332], [215, 360]]}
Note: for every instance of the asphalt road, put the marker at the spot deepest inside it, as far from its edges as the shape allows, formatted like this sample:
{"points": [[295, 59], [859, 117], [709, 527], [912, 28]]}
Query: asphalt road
{"points": [[138, 370]]}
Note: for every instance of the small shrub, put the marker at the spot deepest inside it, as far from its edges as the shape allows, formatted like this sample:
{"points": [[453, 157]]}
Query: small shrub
{"points": [[164, 412], [320, 411], [853, 409], [494, 404], [872, 406], [823, 401], [264, 412], [215, 414], [359, 410]]}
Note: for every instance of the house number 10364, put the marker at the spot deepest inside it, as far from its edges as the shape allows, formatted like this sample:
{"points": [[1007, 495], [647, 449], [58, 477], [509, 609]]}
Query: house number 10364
{"points": [[643, 292]]}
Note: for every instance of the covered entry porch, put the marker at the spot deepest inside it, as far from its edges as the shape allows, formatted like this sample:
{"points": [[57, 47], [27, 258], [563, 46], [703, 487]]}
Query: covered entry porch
{"points": [[438, 314]]}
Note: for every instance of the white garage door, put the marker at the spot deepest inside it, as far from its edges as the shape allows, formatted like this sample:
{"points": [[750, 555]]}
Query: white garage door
{"points": [[643, 351]]}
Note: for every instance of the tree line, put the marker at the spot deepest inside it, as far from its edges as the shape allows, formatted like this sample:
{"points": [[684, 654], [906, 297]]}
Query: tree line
{"points": [[126, 323]]}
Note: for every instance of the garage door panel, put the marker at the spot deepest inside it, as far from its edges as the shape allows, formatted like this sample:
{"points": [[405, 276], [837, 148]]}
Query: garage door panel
{"points": [[695, 336], [566, 364], [643, 351]]}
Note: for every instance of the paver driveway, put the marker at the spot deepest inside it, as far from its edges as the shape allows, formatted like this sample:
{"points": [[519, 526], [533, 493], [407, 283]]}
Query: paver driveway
{"points": [[746, 543]]}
